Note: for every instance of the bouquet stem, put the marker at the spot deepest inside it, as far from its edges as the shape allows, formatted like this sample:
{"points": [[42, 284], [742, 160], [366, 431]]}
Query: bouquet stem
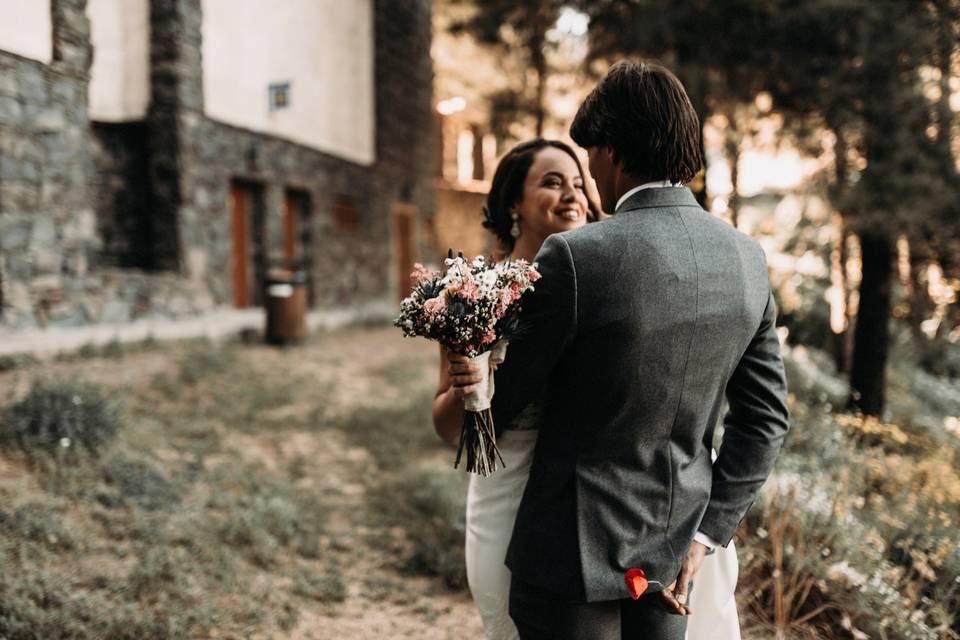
{"points": [[478, 436], [479, 439]]}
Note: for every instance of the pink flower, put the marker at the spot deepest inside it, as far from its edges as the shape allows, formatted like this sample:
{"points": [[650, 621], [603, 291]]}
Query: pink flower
{"points": [[420, 272], [469, 291], [434, 306], [534, 275], [490, 338]]}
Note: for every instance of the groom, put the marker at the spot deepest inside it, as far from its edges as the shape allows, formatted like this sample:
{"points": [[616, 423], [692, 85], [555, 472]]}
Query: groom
{"points": [[639, 328]]}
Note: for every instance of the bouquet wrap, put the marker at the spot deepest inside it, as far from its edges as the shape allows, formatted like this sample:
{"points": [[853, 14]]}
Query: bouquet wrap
{"points": [[481, 399]]}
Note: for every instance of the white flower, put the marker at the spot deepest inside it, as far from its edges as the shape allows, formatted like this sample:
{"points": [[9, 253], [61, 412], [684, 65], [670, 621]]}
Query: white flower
{"points": [[842, 572], [64, 443]]}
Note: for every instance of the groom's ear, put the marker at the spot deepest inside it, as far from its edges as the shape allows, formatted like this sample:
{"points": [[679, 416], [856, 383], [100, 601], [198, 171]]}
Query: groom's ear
{"points": [[612, 155]]}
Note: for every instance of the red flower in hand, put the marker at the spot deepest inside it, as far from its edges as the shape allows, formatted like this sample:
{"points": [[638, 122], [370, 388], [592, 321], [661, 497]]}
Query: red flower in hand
{"points": [[636, 582]]}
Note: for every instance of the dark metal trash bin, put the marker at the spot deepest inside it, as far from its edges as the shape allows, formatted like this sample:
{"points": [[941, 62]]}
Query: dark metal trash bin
{"points": [[286, 307]]}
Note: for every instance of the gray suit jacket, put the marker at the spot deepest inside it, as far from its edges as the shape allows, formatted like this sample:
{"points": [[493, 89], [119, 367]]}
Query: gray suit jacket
{"points": [[639, 326]]}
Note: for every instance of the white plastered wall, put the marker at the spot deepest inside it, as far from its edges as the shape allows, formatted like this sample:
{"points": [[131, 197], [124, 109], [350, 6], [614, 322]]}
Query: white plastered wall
{"points": [[323, 48], [26, 29], [120, 76]]}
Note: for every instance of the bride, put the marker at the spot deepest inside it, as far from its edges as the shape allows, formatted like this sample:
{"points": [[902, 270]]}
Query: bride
{"points": [[538, 190]]}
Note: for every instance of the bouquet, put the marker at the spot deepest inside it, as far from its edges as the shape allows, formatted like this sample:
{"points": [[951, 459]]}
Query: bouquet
{"points": [[472, 309]]}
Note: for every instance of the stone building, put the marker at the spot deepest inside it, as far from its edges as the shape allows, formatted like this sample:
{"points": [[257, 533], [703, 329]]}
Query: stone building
{"points": [[158, 157]]}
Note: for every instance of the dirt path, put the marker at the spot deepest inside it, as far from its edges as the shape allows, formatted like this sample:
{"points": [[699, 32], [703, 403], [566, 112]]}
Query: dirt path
{"points": [[381, 602]]}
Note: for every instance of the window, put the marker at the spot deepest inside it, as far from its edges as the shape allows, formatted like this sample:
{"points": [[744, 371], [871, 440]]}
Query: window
{"points": [[345, 213]]}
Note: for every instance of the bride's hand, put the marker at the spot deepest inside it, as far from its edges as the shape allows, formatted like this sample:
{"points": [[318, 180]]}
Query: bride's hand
{"points": [[464, 377]]}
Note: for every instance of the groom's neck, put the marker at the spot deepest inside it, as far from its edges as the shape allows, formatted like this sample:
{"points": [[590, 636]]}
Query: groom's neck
{"points": [[627, 181]]}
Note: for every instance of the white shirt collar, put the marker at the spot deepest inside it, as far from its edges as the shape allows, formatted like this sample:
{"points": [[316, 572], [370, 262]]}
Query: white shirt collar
{"points": [[648, 185]]}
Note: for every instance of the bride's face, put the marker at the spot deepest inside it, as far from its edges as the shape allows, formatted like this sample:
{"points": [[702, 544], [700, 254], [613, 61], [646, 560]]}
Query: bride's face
{"points": [[553, 195]]}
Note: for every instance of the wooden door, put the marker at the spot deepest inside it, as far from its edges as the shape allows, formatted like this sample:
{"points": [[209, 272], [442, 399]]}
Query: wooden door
{"points": [[404, 249], [240, 201], [291, 224], [248, 256]]}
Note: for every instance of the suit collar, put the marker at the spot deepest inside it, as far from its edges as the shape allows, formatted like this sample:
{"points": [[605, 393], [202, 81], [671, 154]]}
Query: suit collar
{"points": [[659, 197]]}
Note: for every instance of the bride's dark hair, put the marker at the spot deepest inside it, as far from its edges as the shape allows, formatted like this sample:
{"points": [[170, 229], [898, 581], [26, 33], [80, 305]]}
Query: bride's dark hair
{"points": [[507, 187]]}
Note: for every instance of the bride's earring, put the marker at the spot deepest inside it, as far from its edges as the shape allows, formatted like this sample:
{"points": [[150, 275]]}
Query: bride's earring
{"points": [[515, 228]]}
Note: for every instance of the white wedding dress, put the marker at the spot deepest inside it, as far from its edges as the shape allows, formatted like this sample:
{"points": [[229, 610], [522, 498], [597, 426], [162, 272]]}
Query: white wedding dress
{"points": [[492, 505]]}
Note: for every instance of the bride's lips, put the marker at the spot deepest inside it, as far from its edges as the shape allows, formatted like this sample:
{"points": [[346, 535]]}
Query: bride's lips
{"points": [[568, 213]]}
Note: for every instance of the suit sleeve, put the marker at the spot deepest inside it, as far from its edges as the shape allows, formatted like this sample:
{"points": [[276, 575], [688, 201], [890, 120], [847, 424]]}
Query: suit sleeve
{"points": [[754, 430], [547, 324]]}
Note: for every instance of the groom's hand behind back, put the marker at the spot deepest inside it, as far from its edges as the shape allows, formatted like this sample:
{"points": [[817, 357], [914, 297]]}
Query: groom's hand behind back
{"points": [[676, 595]]}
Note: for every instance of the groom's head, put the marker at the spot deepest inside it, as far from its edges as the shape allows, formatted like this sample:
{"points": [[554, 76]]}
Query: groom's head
{"points": [[638, 125]]}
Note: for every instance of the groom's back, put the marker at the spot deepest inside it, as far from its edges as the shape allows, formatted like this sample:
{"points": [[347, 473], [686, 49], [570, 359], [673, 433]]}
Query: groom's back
{"points": [[667, 300]]}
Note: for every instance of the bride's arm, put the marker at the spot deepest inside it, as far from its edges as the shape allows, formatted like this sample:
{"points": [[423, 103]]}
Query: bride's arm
{"points": [[447, 405]]}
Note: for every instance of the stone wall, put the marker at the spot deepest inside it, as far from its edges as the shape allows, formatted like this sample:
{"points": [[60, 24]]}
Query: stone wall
{"points": [[48, 238], [405, 120]]}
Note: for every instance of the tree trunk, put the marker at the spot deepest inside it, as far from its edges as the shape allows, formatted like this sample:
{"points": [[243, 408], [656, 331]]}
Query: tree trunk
{"points": [[872, 332], [840, 306], [843, 342], [946, 44], [732, 142], [539, 110], [539, 59]]}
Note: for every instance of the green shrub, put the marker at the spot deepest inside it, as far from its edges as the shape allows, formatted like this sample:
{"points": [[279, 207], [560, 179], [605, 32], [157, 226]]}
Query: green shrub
{"points": [[263, 515], [39, 524], [59, 418], [44, 605], [139, 482], [199, 364], [327, 587], [16, 361], [866, 543], [159, 571]]}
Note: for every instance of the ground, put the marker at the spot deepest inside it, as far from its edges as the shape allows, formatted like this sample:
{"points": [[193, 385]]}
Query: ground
{"points": [[237, 490], [298, 423]]}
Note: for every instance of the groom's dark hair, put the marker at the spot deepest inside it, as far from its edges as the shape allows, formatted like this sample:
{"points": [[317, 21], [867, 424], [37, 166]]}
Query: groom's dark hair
{"points": [[641, 112]]}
